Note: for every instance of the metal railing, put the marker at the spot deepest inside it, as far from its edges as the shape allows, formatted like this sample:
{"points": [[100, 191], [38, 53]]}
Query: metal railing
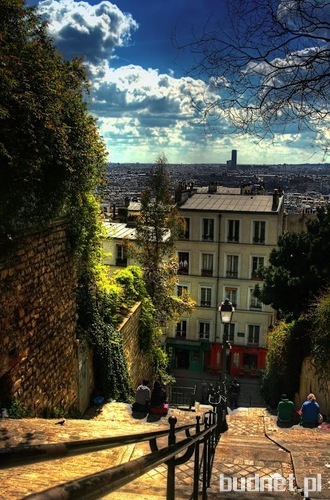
{"points": [[182, 396], [201, 445]]}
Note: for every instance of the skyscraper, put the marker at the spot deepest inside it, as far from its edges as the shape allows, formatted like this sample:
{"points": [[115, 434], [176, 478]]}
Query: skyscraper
{"points": [[233, 157]]}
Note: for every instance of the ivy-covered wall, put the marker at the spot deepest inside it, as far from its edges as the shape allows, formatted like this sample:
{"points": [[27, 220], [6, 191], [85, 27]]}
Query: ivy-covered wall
{"points": [[38, 355], [311, 381], [138, 363]]}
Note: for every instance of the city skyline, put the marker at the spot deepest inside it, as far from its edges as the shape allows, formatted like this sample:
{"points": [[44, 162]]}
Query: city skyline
{"points": [[141, 91]]}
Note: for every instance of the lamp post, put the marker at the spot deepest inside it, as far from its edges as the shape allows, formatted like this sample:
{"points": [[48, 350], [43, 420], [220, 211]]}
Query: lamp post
{"points": [[226, 312]]}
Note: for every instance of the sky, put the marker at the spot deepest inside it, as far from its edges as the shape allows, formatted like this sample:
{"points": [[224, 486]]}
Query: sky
{"points": [[140, 85]]}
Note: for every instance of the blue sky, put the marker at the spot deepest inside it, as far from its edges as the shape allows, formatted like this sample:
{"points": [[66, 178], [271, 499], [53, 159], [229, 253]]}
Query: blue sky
{"points": [[140, 90]]}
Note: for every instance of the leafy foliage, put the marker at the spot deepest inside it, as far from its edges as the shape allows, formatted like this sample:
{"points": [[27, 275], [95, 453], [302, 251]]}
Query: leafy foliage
{"points": [[321, 336], [50, 149], [298, 269], [157, 228], [288, 345], [99, 308]]}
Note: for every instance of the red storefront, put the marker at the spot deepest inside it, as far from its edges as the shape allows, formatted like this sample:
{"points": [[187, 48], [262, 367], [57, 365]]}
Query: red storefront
{"points": [[241, 360]]}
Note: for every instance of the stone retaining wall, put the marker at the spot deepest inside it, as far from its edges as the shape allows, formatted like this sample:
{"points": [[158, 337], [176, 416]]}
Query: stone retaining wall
{"points": [[138, 364], [38, 360], [311, 381]]}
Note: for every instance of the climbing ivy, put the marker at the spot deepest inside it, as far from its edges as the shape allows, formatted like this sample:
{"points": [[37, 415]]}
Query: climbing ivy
{"points": [[288, 345], [321, 336]]}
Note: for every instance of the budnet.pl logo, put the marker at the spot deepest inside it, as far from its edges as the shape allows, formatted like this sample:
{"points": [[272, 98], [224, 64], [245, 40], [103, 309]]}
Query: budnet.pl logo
{"points": [[274, 482]]}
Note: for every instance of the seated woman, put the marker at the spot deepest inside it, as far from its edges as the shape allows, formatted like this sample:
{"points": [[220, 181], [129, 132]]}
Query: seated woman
{"points": [[142, 398], [286, 412], [158, 404], [310, 411]]}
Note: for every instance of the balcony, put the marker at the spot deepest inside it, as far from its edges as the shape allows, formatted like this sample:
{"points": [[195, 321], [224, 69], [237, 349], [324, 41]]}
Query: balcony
{"points": [[206, 272], [256, 307], [260, 241], [180, 335], [121, 262], [205, 303], [256, 277], [207, 237], [232, 274]]}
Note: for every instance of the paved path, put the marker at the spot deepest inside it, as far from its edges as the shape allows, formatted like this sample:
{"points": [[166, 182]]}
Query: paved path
{"points": [[253, 447]]}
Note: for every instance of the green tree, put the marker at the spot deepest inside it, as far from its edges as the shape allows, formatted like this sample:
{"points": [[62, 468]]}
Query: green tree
{"points": [[51, 154], [52, 161], [157, 228], [298, 269], [288, 345], [320, 335]]}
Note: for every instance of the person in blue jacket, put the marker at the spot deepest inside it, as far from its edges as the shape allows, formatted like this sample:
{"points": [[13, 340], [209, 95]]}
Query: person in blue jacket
{"points": [[310, 411]]}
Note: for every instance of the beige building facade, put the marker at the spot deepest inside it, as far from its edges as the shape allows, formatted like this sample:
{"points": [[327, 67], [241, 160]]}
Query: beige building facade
{"points": [[228, 236]]}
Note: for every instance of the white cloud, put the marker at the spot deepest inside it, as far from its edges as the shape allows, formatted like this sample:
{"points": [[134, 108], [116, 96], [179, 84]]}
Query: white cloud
{"points": [[141, 112], [93, 31]]}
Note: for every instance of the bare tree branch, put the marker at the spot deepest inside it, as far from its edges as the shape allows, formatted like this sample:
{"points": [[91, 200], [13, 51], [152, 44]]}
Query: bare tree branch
{"points": [[267, 67]]}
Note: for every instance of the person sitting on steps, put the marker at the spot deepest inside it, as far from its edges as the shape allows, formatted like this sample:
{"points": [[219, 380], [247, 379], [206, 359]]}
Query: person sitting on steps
{"points": [[158, 404], [142, 398], [310, 412], [286, 412]]}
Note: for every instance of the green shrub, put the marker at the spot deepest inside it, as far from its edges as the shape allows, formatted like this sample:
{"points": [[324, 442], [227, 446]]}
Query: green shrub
{"points": [[17, 410], [288, 345]]}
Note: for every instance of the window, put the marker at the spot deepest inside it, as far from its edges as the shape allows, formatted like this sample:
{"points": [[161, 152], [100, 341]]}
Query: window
{"points": [[257, 263], [207, 264], [121, 258], [231, 332], [253, 334], [255, 303], [208, 229], [204, 330], [183, 263], [233, 231], [206, 294], [231, 294], [185, 233], [182, 290], [232, 266], [181, 329], [259, 230]]}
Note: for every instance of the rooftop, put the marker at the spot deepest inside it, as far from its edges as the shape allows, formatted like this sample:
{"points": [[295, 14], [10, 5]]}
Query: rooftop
{"points": [[231, 203]]}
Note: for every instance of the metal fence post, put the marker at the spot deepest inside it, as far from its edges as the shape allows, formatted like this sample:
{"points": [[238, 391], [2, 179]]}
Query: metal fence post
{"points": [[170, 490]]}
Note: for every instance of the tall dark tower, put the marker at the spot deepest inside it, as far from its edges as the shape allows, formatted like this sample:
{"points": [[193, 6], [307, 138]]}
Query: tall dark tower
{"points": [[234, 157]]}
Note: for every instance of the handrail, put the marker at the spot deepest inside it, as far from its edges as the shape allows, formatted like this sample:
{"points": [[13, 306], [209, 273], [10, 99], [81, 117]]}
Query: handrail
{"points": [[12, 457], [106, 481], [92, 486]]}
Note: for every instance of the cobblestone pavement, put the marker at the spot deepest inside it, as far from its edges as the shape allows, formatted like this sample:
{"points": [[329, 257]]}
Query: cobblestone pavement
{"points": [[252, 447]]}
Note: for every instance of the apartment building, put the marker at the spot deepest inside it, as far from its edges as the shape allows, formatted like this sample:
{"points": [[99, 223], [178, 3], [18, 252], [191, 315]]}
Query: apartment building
{"points": [[229, 234]]}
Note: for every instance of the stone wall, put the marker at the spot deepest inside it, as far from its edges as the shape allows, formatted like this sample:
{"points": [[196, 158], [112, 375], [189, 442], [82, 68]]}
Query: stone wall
{"points": [[138, 364], [38, 358], [311, 381]]}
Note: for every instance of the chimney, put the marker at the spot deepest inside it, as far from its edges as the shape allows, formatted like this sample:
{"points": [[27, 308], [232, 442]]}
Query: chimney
{"points": [[275, 199], [212, 188]]}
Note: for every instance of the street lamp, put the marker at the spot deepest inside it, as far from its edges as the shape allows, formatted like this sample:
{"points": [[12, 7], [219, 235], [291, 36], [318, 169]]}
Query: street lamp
{"points": [[226, 312]]}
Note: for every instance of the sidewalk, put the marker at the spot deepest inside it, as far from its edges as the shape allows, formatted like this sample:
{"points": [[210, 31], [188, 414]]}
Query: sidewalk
{"points": [[252, 447]]}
